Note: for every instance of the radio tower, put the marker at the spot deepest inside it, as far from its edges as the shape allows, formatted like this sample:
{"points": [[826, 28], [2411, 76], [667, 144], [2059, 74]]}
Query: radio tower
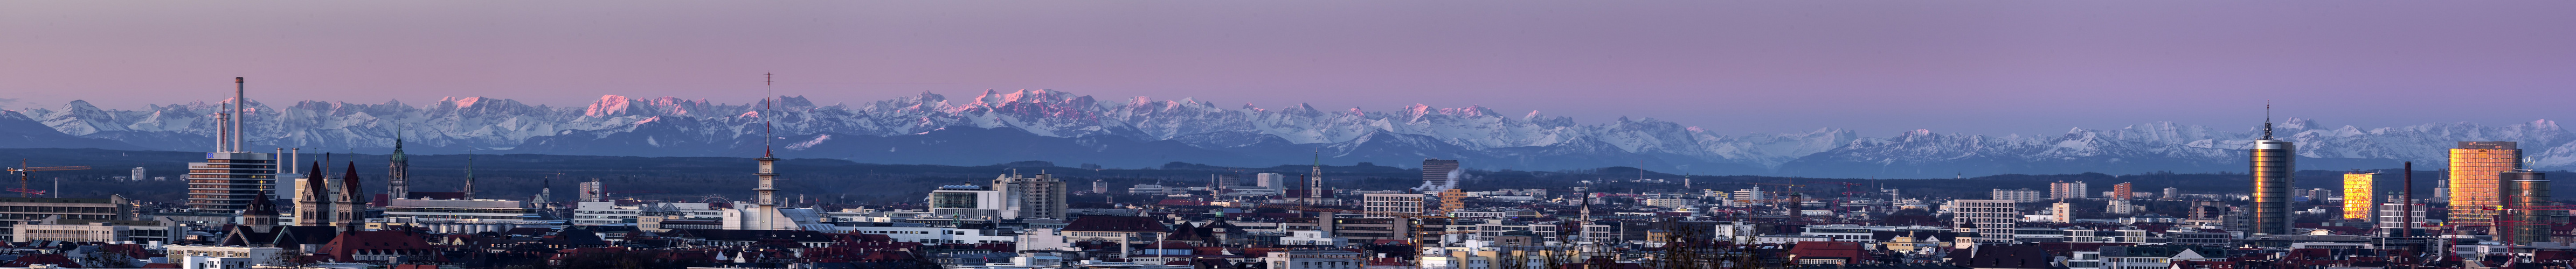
{"points": [[766, 206]]}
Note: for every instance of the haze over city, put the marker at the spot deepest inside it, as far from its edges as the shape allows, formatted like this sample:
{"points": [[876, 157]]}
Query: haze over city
{"points": [[2015, 67]]}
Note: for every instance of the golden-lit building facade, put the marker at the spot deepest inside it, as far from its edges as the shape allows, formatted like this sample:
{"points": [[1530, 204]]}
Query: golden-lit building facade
{"points": [[2357, 197], [2475, 184]]}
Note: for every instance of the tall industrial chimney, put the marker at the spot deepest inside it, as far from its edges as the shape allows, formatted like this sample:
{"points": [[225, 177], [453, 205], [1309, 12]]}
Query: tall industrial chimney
{"points": [[239, 101]]}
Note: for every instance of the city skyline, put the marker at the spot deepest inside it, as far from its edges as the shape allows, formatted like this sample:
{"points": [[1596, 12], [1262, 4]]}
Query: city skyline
{"points": [[1977, 68]]}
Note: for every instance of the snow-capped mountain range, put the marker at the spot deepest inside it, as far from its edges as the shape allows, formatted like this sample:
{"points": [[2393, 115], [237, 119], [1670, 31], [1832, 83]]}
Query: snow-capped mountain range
{"points": [[1055, 126]]}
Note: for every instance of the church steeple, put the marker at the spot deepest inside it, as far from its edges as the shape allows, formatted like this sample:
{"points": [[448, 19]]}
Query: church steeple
{"points": [[398, 172]]}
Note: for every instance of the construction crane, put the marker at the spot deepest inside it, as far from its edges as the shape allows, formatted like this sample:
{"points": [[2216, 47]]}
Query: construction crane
{"points": [[24, 172], [1412, 221]]}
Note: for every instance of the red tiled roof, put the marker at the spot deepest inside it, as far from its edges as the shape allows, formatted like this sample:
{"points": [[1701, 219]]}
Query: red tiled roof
{"points": [[1848, 251]]}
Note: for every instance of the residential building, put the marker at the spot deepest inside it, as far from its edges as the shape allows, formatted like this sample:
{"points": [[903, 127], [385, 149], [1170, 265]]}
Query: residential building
{"points": [[2021, 195], [1992, 220], [2123, 191], [2062, 190], [1031, 196]]}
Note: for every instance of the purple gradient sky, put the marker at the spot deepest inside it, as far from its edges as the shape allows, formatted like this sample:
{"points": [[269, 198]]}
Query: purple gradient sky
{"points": [[1987, 67]]}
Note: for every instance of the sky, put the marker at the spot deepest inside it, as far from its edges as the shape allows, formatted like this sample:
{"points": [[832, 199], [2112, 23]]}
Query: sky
{"points": [[1878, 67]]}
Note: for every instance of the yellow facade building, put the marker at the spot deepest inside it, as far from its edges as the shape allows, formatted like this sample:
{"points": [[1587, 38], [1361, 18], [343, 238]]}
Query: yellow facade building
{"points": [[2475, 184], [2357, 196]]}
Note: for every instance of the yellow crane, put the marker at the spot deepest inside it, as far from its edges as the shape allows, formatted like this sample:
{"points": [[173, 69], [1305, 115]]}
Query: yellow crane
{"points": [[24, 172]]}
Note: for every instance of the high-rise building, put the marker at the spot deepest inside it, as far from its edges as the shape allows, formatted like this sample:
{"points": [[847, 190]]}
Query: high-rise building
{"points": [[1992, 220], [1100, 187], [137, 174], [2524, 192], [2357, 196], [1224, 181], [2273, 162], [2062, 190], [1435, 172], [2061, 212], [1031, 196], [1270, 180], [2117, 206], [2123, 191], [2020, 195], [2475, 187], [2171, 193], [593, 191]]}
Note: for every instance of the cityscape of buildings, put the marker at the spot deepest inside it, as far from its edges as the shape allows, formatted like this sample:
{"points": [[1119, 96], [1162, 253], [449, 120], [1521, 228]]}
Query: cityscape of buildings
{"points": [[276, 209]]}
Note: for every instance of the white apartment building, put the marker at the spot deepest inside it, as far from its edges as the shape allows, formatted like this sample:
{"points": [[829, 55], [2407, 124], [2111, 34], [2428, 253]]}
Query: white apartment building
{"points": [[2020, 195], [1992, 220]]}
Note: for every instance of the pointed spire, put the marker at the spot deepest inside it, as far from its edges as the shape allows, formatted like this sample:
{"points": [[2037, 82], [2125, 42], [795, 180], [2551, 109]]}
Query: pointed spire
{"points": [[398, 143]]}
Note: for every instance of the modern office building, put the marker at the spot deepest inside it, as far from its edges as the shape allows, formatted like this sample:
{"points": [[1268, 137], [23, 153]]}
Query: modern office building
{"points": [[2474, 182], [2357, 197], [2523, 191], [1405, 203], [114, 207], [967, 201], [2273, 162], [229, 180]]}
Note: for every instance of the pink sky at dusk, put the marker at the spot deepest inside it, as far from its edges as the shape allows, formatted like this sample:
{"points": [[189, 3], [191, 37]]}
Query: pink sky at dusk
{"points": [[1984, 67]]}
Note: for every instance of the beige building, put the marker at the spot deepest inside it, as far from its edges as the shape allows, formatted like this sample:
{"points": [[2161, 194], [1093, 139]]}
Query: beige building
{"points": [[111, 208], [136, 231], [1402, 203]]}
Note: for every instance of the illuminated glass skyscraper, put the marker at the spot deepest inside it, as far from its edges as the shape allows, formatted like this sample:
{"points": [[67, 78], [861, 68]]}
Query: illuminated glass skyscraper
{"points": [[2273, 161], [2357, 200], [2475, 184]]}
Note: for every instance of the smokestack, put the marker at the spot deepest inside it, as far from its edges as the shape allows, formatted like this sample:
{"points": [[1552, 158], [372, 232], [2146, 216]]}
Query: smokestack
{"points": [[240, 101]]}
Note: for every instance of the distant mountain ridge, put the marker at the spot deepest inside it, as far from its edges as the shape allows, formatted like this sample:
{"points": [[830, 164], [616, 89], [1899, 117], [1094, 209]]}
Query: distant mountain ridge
{"points": [[1064, 128]]}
